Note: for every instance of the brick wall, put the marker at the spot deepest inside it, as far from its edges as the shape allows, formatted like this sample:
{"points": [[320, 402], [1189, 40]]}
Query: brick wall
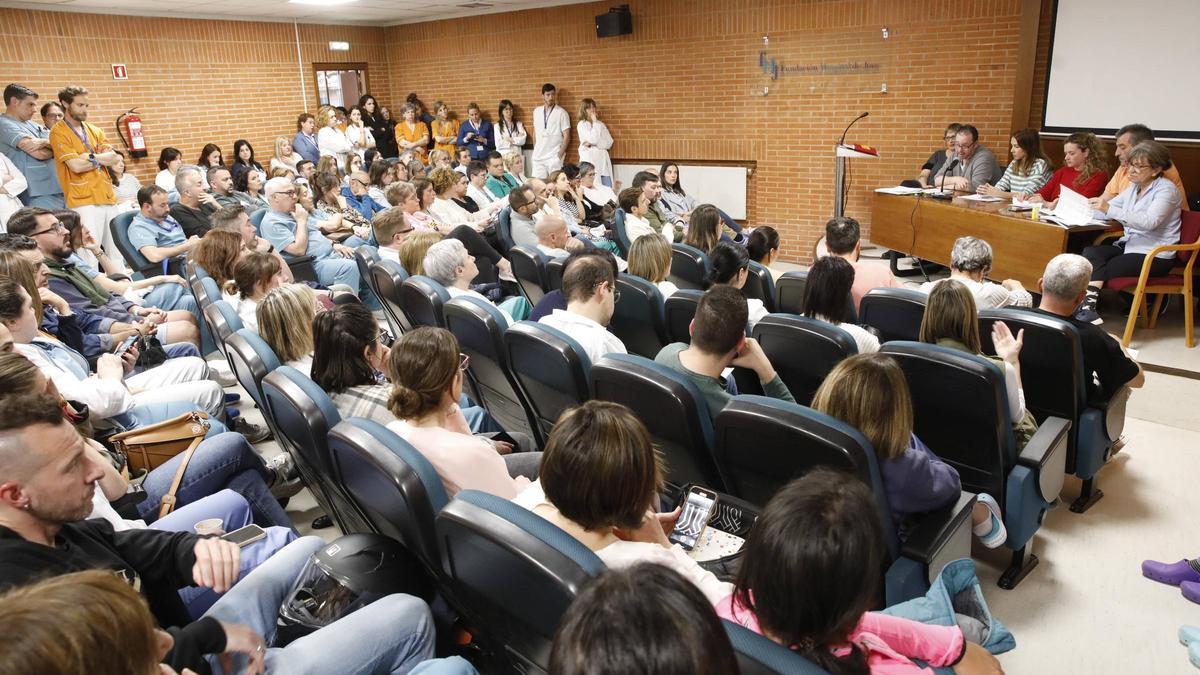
{"points": [[687, 85], [193, 81]]}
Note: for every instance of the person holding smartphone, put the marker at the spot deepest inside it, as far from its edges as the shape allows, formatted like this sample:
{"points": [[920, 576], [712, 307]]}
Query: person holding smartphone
{"points": [[599, 482]]}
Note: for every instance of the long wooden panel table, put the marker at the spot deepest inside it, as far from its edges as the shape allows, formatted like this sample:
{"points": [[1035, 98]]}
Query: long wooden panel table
{"points": [[926, 228]]}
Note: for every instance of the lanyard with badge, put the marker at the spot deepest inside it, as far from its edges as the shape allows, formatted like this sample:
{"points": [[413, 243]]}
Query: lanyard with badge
{"points": [[83, 137], [478, 146]]}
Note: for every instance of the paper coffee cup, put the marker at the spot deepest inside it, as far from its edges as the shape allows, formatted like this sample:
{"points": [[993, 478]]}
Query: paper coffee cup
{"points": [[210, 526]]}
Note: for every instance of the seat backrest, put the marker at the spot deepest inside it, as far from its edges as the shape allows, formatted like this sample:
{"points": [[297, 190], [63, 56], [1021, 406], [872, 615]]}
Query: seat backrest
{"points": [[679, 309], [222, 321], [479, 327], [256, 217], [671, 407], [689, 267], [1052, 374], [304, 414], [764, 443], [251, 359], [395, 488], [895, 312], [760, 285], [550, 367], [758, 655], [529, 267], [970, 429], [387, 277], [422, 299], [211, 291], [119, 227], [639, 318], [789, 292], [200, 292], [619, 234], [363, 256], [1189, 233], [504, 230], [554, 272], [802, 350], [514, 573]]}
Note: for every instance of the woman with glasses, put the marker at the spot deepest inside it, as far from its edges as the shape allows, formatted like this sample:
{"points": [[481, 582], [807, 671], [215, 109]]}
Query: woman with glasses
{"points": [[1150, 211], [599, 200], [933, 165], [427, 372], [350, 353]]}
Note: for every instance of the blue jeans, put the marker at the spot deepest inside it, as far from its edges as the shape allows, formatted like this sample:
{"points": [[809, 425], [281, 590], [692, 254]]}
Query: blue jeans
{"points": [[54, 201], [224, 461], [391, 635], [234, 512], [168, 296], [145, 414], [335, 270]]}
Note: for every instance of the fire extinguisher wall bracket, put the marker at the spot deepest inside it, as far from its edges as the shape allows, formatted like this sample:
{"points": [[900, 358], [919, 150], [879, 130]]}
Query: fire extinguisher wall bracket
{"points": [[129, 128]]}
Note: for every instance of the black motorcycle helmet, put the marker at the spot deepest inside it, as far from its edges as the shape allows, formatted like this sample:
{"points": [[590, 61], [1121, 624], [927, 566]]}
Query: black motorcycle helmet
{"points": [[344, 576]]}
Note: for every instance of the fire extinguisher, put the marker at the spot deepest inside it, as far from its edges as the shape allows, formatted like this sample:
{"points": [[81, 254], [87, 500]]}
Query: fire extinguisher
{"points": [[129, 128]]}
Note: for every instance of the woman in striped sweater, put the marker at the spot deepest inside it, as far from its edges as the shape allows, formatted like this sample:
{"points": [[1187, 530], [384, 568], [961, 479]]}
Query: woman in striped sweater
{"points": [[1027, 172]]}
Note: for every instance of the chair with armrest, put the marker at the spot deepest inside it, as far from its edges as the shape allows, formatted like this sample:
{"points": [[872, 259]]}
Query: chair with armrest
{"points": [[760, 285], [422, 300], [802, 350], [141, 266], [529, 267], [896, 313], [789, 292], [223, 322], [689, 267], [679, 310], [387, 276], [554, 272], [504, 230], [639, 318], [758, 655], [972, 432], [764, 443], [364, 257], [300, 265], [620, 235]]}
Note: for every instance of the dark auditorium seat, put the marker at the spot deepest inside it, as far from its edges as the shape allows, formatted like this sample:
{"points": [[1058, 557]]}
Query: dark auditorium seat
{"points": [[895, 313], [639, 316], [550, 368], [758, 655], [802, 350], [679, 310], [554, 272], [421, 300], [387, 276], [620, 236], [760, 285], [529, 267], [789, 292], [960, 410], [689, 267]]}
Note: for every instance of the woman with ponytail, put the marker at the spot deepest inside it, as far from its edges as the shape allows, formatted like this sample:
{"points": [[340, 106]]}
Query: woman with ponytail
{"points": [[427, 372], [810, 571], [731, 267]]}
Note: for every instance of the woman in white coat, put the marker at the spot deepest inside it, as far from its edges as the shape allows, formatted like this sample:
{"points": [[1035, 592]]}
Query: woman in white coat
{"points": [[12, 183], [509, 132], [330, 141], [594, 141]]}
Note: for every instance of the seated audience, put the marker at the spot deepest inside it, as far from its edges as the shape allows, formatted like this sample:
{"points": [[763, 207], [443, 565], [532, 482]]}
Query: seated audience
{"points": [[650, 259], [950, 320], [210, 156], [450, 185], [331, 141], [244, 161], [869, 392], [450, 264], [704, 228], [1082, 170], [1027, 172], [600, 483], [349, 359], [596, 195], [248, 189], [763, 247], [970, 263], [514, 163], [673, 199], [477, 193], [976, 164], [391, 228], [217, 254], [565, 192], [1107, 365], [718, 342], [636, 205], [844, 240], [523, 205], [382, 176], [499, 181], [555, 299], [660, 221], [940, 158], [1127, 137], [413, 249], [662, 623], [289, 229], [169, 161], [358, 195], [589, 286], [254, 275], [36, 442], [827, 298], [220, 186], [285, 322], [125, 184], [335, 218], [427, 371], [194, 205], [553, 238], [809, 574], [285, 156], [731, 267], [1149, 210], [156, 234]]}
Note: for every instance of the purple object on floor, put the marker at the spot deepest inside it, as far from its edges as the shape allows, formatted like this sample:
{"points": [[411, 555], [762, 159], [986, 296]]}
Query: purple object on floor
{"points": [[1191, 591], [1170, 573]]}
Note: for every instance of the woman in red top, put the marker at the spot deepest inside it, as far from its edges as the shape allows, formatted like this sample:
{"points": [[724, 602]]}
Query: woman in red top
{"points": [[1083, 170]]}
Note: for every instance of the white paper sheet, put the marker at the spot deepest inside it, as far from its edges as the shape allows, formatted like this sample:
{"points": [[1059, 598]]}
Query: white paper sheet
{"points": [[898, 190], [983, 198]]}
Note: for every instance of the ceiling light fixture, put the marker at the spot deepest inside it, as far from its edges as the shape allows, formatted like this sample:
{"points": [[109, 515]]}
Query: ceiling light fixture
{"points": [[339, 46]]}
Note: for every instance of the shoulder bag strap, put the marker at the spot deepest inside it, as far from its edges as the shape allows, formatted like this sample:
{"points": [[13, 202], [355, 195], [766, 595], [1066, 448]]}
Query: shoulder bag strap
{"points": [[169, 499]]}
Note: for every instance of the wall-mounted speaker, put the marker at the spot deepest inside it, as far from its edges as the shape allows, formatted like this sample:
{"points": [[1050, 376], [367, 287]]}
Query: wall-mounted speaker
{"points": [[618, 21]]}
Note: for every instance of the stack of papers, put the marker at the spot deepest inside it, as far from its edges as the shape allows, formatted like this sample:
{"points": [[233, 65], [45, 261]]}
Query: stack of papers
{"points": [[899, 190], [1072, 210], [1019, 205], [982, 198]]}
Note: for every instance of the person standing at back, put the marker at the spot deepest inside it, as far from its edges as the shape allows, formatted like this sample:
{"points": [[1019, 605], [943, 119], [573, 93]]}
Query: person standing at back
{"points": [[81, 153], [551, 133], [27, 145]]}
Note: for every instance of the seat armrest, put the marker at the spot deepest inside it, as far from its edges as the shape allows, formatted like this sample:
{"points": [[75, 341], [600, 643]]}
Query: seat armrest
{"points": [[1046, 453], [941, 535], [1114, 413]]}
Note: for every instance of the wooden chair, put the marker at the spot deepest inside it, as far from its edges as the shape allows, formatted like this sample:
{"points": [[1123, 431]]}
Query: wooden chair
{"points": [[1179, 281]]}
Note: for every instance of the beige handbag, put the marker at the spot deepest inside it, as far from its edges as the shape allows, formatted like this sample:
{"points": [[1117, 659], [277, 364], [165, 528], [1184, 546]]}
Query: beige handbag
{"points": [[152, 446]]}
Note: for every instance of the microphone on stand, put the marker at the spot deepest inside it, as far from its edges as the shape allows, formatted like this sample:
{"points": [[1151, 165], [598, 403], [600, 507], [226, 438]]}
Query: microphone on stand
{"points": [[852, 123], [941, 193]]}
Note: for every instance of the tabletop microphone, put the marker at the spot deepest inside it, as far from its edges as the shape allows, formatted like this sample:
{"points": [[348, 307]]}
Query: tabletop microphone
{"points": [[941, 193], [847, 129]]}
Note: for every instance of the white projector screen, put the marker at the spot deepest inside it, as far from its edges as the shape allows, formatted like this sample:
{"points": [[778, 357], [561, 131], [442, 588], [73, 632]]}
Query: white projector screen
{"points": [[1114, 62]]}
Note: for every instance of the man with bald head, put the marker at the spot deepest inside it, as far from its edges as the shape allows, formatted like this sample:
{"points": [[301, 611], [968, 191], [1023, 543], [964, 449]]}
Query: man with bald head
{"points": [[358, 198], [553, 238]]}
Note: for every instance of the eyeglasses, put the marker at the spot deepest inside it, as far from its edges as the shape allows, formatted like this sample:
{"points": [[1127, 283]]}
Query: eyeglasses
{"points": [[405, 231], [290, 193], [56, 227], [355, 180], [1139, 167], [464, 361], [385, 338], [948, 138]]}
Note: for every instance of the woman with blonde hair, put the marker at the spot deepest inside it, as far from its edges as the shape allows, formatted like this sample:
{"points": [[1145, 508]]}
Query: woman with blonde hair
{"points": [[515, 163], [412, 135], [444, 129], [650, 259], [439, 159], [869, 392], [414, 248], [594, 140], [1084, 170], [285, 157], [330, 141], [285, 322]]}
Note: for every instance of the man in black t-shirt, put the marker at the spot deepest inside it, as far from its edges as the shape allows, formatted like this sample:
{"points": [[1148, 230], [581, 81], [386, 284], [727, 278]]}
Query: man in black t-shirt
{"points": [[1064, 285], [194, 205]]}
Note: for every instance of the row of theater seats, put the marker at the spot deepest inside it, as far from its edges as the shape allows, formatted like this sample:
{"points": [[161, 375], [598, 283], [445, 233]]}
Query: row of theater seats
{"points": [[481, 561]]}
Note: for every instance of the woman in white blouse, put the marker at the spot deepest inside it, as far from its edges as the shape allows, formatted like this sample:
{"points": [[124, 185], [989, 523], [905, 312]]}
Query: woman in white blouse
{"points": [[285, 157], [330, 141], [358, 133], [731, 267], [125, 185], [509, 132], [12, 183], [169, 161], [827, 298], [450, 185], [594, 141]]}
